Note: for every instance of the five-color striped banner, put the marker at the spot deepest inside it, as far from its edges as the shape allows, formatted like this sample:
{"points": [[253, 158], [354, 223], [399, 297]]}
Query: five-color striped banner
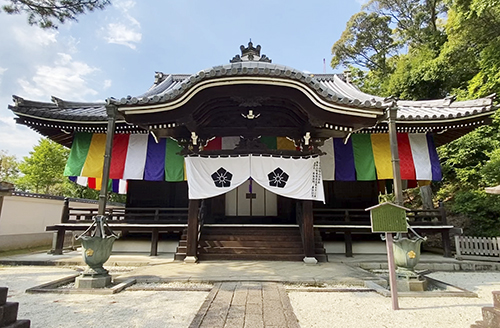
{"points": [[139, 157]]}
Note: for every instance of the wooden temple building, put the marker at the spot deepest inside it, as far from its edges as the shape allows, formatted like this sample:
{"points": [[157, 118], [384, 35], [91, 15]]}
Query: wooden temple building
{"points": [[251, 159]]}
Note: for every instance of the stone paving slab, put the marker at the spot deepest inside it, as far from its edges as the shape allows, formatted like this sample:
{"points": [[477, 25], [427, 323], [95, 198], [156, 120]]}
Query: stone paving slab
{"points": [[246, 305]]}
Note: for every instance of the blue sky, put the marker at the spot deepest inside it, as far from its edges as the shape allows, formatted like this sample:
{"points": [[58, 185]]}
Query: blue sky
{"points": [[115, 52]]}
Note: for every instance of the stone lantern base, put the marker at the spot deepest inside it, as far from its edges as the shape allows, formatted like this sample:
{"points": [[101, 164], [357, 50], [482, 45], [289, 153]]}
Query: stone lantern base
{"points": [[100, 281]]}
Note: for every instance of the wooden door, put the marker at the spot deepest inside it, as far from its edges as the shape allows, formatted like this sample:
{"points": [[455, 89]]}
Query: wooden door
{"points": [[251, 201]]}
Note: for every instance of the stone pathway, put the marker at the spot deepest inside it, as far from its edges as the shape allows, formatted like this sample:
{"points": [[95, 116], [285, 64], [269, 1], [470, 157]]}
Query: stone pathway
{"points": [[246, 305]]}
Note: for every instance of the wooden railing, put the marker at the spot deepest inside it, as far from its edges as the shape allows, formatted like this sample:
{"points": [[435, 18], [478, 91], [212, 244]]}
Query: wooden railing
{"points": [[356, 217], [126, 215]]}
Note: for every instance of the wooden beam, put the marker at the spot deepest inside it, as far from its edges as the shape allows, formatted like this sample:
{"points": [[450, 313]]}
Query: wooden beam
{"points": [[192, 229]]}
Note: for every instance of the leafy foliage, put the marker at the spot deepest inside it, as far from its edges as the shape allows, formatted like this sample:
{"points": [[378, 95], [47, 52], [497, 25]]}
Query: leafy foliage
{"points": [[9, 170], [43, 169], [446, 47], [366, 42], [45, 13]]}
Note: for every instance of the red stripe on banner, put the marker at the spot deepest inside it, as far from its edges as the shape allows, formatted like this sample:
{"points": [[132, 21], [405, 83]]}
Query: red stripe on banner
{"points": [[118, 155], [214, 144], [91, 183], [405, 157]]}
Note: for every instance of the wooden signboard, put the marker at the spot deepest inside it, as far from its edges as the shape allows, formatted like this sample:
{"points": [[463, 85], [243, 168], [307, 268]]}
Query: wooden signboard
{"points": [[388, 217]]}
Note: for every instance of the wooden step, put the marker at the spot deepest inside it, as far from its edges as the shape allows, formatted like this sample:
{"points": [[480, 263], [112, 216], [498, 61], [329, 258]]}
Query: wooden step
{"points": [[250, 257], [251, 243]]}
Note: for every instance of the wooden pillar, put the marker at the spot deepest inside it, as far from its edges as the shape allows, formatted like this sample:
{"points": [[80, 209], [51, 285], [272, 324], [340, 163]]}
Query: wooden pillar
{"points": [[192, 231], [308, 231], [110, 133], [154, 242], [396, 170], [445, 234], [65, 211], [348, 237]]}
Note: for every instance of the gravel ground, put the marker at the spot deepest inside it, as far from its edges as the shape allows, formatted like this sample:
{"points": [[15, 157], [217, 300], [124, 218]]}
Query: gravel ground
{"points": [[178, 308], [329, 310], [126, 309]]}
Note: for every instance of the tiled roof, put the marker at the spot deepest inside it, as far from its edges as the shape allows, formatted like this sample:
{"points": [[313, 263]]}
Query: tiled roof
{"points": [[60, 110], [330, 87], [171, 87]]}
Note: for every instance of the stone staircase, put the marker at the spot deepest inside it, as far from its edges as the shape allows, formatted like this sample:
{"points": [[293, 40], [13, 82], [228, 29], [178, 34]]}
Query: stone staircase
{"points": [[491, 315], [251, 243], [8, 312]]}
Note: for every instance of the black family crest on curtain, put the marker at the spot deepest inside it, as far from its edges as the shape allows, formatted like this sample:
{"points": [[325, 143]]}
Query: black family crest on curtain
{"points": [[222, 178], [278, 178]]}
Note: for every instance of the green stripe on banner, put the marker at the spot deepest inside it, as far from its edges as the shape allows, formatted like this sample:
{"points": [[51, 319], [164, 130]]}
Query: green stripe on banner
{"points": [[78, 154], [363, 157], [270, 142], [174, 163]]}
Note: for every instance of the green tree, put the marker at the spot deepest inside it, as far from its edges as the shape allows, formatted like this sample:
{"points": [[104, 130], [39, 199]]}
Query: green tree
{"points": [[366, 42], [45, 13], [9, 170], [43, 169]]}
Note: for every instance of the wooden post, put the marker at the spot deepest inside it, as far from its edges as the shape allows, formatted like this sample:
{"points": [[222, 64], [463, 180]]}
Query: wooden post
{"points": [[308, 231], [396, 170], [445, 234], [154, 242], [392, 271], [348, 237], [65, 211], [192, 231], [110, 133]]}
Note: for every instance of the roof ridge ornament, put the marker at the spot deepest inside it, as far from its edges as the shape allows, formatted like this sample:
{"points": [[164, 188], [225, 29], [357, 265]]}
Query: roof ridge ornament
{"points": [[250, 53]]}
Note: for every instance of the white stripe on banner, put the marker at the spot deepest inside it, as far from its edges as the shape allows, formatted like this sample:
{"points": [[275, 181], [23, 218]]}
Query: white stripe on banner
{"points": [[328, 160], [420, 153], [82, 181], [295, 178], [209, 177], [136, 157], [122, 186]]}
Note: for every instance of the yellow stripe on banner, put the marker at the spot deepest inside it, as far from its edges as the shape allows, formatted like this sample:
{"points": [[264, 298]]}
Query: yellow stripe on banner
{"points": [[185, 174], [95, 157], [381, 147], [98, 183], [283, 143]]}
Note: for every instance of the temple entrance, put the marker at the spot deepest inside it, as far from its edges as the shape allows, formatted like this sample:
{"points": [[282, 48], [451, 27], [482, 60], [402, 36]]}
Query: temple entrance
{"points": [[251, 200]]}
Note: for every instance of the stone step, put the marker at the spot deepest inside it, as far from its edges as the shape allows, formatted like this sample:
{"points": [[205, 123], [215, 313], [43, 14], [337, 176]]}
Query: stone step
{"points": [[491, 316], [8, 313], [496, 299], [3, 295], [20, 324]]}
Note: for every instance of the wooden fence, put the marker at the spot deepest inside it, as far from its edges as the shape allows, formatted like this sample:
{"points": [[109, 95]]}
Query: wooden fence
{"points": [[477, 248]]}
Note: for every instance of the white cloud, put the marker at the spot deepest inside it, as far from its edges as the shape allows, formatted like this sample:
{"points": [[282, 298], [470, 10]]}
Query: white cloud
{"points": [[17, 139], [107, 84], [29, 36], [66, 78], [122, 34], [2, 70], [127, 32]]}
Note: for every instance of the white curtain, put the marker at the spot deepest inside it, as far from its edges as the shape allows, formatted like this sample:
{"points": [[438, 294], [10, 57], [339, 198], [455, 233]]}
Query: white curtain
{"points": [[295, 178], [209, 177]]}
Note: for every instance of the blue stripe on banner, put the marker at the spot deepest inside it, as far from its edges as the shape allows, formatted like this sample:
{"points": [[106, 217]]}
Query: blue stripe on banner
{"points": [[115, 186], [345, 169], [72, 179], [437, 175], [155, 160]]}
